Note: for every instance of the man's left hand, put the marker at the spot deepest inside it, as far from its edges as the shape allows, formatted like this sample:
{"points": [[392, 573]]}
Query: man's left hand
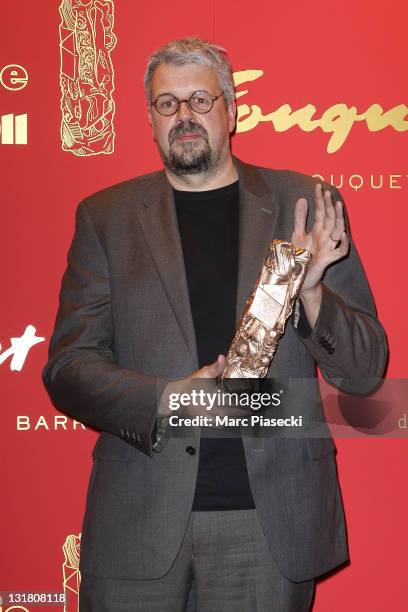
{"points": [[327, 242]]}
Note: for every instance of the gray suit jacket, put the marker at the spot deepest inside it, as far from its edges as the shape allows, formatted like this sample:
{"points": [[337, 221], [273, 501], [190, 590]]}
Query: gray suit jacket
{"points": [[124, 329]]}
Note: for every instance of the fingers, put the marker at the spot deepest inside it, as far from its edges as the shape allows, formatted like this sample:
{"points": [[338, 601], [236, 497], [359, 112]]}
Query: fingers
{"points": [[301, 209], [344, 246], [331, 217], [319, 204], [338, 247], [328, 216], [219, 365], [337, 234], [329, 212], [212, 370], [339, 223]]}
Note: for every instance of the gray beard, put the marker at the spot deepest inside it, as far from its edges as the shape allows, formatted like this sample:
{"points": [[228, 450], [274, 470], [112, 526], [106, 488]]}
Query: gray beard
{"points": [[189, 161], [187, 158]]}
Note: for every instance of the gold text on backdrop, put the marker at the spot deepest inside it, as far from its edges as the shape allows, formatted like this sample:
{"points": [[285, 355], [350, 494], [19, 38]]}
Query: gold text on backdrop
{"points": [[336, 120]]}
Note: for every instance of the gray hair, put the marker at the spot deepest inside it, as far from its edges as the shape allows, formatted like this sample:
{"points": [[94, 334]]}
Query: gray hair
{"points": [[192, 51]]}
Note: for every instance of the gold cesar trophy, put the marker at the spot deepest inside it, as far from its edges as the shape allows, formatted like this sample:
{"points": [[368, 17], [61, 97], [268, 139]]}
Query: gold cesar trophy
{"points": [[263, 321], [267, 310]]}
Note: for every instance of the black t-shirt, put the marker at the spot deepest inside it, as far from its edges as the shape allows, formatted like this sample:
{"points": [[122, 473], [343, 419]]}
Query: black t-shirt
{"points": [[209, 226]]}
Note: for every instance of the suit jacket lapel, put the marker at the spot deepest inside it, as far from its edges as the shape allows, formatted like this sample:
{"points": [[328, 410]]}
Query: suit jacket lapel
{"points": [[158, 219], [259, 210]]}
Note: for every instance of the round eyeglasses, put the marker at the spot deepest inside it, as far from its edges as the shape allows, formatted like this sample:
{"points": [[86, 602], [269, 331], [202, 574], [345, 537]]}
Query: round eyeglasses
{"points": [[200, 102]]}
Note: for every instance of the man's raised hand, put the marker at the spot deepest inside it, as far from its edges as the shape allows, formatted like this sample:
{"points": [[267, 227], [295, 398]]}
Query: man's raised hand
{"points": [[327, 241]]}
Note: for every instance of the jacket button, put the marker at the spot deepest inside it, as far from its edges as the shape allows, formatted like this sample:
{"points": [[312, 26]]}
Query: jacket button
{"points": [[190, 450]]}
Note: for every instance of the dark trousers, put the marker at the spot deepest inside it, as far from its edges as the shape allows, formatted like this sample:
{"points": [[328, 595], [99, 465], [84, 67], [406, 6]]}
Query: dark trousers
{"points": [[224, 565]]}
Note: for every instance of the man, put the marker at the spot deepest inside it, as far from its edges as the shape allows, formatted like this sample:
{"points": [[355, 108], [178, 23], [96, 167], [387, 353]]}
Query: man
{"points": [[158, 273]]}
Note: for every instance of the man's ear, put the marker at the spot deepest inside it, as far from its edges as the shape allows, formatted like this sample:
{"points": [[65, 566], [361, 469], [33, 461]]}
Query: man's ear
{"points": [[149, 116], [232, 115]]}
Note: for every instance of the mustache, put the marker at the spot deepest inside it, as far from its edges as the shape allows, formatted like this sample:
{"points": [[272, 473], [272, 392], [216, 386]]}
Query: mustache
{"points": [[187, 127]]}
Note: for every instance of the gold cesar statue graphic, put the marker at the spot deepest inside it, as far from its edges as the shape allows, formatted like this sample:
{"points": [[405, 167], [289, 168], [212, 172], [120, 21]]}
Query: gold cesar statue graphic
{"points": [[87, 76], [71, 573]]}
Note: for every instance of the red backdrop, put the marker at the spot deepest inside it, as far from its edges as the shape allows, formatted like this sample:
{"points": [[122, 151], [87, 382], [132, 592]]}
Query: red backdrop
{"points": [[321, 54]]}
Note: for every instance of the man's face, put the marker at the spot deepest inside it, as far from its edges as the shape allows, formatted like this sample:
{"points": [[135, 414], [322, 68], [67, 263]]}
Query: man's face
{"points": [[189, 142]]}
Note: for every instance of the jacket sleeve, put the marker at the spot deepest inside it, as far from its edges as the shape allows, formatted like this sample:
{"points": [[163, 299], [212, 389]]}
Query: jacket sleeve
{"points": [[81, 376], [347, 342]]}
